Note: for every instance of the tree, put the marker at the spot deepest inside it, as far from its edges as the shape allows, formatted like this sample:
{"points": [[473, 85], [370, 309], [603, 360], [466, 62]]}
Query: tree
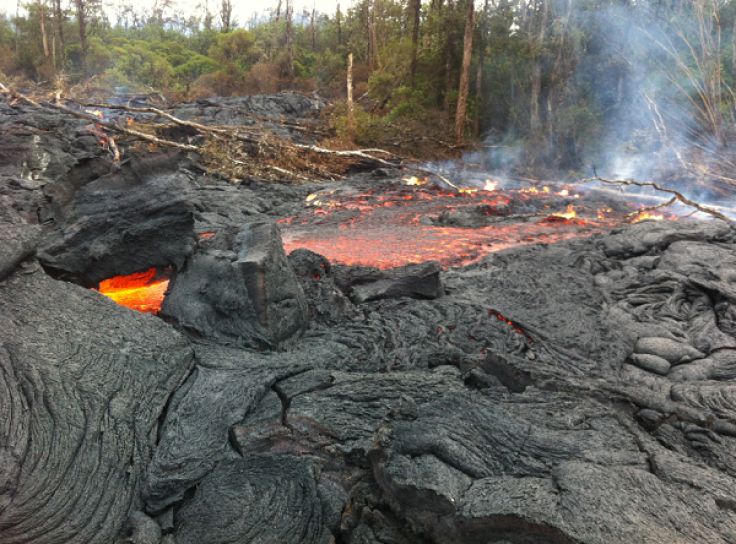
{"points": [[42, 18], [462, 97], [289, 15], [82, 22], [226, 16], [60, 17], [416, 6]]}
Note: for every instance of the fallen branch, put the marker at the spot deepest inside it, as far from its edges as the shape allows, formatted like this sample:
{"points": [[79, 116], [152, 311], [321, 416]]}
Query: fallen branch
{"points": [[96, 120], [670, 202], [677, 195], [176, 120]]}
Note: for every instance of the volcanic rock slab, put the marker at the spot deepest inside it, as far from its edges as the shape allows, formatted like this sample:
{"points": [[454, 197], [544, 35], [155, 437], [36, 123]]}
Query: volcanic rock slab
{"points": [[247, 295], [83, 384], [113, 224]]}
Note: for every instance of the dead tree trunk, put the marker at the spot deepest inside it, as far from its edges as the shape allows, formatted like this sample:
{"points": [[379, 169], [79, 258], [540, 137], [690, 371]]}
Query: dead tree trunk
{"points": [[338, 22], [416, 6], [289, 41], [59, 16], [351, 121], [275, 39], [226, 15], [462, 97], [449, 54], [44, 36], [376, 60], [82, 20], [479, 97], [537, 41]]}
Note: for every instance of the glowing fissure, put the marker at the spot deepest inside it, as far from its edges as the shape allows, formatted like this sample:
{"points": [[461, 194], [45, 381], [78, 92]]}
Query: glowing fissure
{"points": [[142, 291]]}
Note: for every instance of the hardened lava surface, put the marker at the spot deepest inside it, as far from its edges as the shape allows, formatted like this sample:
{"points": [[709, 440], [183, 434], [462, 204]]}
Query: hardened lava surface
{"points": [[573, 391]]}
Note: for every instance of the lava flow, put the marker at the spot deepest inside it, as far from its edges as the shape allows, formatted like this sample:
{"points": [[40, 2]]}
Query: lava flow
{"points": [[399, 224], [142, 291]]}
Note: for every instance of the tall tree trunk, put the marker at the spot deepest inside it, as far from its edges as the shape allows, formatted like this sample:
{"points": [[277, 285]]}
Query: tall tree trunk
{"points": [[537, 42], [479, 97], [338, 22], [226, 15], [275, 40], [59, 16], [462, 97], [733, 50], [416, 6], [81, 19], [44, 37], [376, 60], [351, 121], [289, 41], [449, 54], [313, 29]]}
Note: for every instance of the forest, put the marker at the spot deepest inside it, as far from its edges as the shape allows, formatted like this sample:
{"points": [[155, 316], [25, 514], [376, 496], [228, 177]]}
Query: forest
{"points": [[536, 87]]}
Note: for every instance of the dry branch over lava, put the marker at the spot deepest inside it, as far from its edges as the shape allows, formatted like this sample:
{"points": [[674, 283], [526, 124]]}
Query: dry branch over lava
{"points": [[677, 196]]}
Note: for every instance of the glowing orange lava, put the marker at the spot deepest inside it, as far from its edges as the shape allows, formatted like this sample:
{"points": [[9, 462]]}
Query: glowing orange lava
{"points": [[647, 215], [141, 291], [415, 181], [396, 226], [569, 214]]}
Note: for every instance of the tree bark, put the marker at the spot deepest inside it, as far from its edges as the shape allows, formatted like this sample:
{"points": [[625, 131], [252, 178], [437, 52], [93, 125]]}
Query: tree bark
{"points": [[537, 41], [226, 15], [449, 54], [351, 121], [338, 22], [376, 60], [81, 19], [479, 97], [416, 6], [462, 97], [275, 40], [289, 41], [44, 37], [59, 16]]}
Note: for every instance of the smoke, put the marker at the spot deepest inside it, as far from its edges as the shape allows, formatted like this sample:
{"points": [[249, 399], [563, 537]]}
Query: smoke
{"points": [[627, 92]]}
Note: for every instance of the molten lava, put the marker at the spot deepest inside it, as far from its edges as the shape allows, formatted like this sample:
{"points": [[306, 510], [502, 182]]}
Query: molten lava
{"points": [[569, 214], [142, 291], [647, 215], [389, 227]]}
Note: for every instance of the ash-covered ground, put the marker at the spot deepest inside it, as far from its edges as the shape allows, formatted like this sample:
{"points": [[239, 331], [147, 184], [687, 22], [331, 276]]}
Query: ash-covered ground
{"points": [[580, 391]]}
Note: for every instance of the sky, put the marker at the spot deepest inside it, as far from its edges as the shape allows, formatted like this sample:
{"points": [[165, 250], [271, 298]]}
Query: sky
{"points": [[242, 9]]}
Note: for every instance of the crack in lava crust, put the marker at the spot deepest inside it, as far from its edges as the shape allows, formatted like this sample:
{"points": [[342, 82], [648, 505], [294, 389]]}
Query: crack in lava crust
{"points": [[381, 227]]}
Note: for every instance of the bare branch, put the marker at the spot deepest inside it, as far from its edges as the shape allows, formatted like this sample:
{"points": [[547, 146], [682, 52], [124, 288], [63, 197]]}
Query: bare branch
{"points": [[677, 195], [92, 119]]}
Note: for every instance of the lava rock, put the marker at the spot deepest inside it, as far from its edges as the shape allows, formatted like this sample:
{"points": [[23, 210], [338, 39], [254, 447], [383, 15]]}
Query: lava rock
{"points": [[414, 280], [83, 382], [674, 352], [473, 217], [19, 238], [652, 363], [259, 499], [227, 385], [140, 529], [248, 296], [130, 220], [309, 264]]}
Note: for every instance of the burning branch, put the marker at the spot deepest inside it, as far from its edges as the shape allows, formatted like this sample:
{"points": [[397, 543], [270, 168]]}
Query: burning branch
{"points": [[677, 196], [667, 204]]}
